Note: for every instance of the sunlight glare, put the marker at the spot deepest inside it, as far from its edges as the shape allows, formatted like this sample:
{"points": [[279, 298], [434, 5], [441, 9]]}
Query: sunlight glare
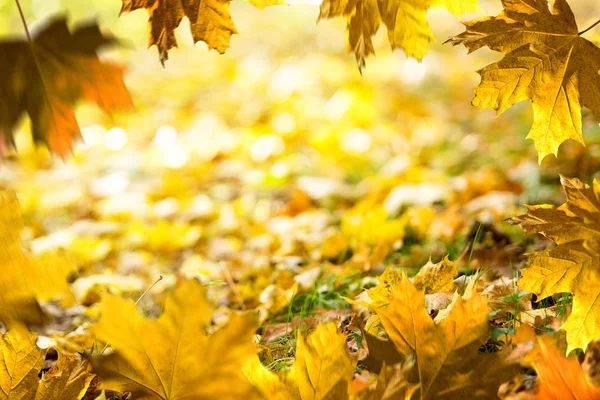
{"points": [[115, 139]]}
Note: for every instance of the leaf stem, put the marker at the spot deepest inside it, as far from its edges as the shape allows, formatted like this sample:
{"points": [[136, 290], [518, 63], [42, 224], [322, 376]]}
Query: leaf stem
{"points": [[24, 21], [583, 31]]}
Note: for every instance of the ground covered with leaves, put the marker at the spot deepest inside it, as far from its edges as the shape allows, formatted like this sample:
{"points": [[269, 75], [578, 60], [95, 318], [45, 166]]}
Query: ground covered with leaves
{"points": [[273, 224]]}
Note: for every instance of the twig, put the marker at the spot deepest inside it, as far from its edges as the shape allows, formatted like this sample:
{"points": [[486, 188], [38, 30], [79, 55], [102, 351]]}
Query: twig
{"points": [[593, 25], [232, 286], [149, 288], [24, 21]]}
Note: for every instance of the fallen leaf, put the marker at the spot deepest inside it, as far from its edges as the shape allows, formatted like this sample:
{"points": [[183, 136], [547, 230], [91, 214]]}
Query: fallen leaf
{"points": [[572, 265], [448, 364], [21, 362], [546, 61], [172, 357], [439, 277], [323, 366], [560, 378], [69, 378], [323, 369], [47, 76], [26, 279]]}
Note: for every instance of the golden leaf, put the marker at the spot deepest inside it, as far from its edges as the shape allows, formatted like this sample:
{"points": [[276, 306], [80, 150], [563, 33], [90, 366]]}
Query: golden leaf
{"points": [[25, 279], [546, 61], [69, 378], [572, 266], [323, 369], [210, 21], [21, 361], [448, 364], [560, 378], [323, 366], [434, 278], [391, 383], [269, 384], [172, 357], [45, 78], [406, 23]]}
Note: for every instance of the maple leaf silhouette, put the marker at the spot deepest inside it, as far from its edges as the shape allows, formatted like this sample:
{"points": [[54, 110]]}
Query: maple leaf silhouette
{"points": [[46, 77]]}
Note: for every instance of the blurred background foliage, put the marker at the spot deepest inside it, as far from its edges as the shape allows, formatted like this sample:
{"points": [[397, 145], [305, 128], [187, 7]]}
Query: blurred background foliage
{"points": [[225, 152]]}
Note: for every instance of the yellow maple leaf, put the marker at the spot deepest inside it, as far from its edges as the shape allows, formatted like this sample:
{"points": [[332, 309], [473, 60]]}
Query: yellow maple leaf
{"points": [[560, 378], [48, 75], [546, 61], [406, 22], [68, 379], [21, 361], [323, 366], [323, 369], [439, 277], [172, 357], [572, 266], [445, 350], [26, 279], [210, 21]]}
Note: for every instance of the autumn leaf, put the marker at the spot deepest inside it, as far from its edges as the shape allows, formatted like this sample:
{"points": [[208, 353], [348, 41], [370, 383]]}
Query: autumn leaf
{"points": [[210, 21], [572, 266], [391, 383], [546, 61], [69, 378], [21, 361], [560, 378], [406, 23], [439, 277], [25, 279], [448, 364], [46, 77], [172, 357], [323, 369]]}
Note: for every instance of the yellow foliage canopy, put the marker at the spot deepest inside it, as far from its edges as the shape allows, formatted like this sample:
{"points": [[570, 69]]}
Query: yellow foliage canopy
{"points": [[546, 61]]}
